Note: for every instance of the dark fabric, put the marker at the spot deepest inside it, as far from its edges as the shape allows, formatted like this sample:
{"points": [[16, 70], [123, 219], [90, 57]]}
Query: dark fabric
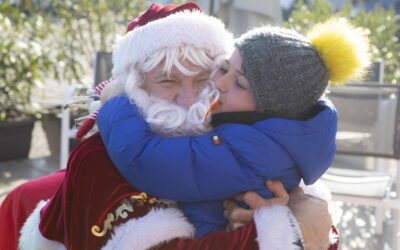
{"points": [[251, 117], [20, 203], [248, 118]]}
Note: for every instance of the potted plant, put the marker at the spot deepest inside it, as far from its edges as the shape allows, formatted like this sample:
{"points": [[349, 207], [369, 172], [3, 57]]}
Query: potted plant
{"points": [[57, 42], [21, 57]]}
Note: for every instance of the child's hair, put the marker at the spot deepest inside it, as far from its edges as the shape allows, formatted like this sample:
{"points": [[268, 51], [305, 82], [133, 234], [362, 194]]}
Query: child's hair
{"points": [[289, 72]]}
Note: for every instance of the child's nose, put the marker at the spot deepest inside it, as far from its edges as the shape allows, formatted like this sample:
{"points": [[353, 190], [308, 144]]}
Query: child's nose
{"points": [[222, 84]]}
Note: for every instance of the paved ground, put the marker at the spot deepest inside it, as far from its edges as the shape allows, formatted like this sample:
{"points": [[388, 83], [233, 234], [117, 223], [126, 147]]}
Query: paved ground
{"points": [[40, 163], [355, 223]]}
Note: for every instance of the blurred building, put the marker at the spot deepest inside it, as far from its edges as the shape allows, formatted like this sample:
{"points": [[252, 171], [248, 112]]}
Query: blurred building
{"points": [[241, 15], [359, 5]]}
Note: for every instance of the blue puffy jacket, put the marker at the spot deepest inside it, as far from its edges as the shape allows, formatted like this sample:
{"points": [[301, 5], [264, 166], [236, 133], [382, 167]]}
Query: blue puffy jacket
{"points": [[200, 174]]}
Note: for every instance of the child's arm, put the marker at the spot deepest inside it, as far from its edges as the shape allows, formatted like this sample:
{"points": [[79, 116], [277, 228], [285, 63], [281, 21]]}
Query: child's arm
{"points": [[181, 168]]}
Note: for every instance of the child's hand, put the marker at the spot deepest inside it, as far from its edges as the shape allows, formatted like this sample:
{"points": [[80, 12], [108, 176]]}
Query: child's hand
{"points": [[238, 216]]}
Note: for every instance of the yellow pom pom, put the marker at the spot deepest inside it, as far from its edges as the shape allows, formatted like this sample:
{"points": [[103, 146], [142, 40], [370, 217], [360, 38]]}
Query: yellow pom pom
{"points": [[344, 49]]}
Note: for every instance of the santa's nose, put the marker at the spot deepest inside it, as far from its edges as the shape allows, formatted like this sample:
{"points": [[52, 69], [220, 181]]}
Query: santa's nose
{"points": [[186, 97]]}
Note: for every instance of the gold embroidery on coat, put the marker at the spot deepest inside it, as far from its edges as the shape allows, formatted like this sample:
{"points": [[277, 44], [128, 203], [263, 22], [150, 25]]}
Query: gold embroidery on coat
{"points": [[107, 226], [122, 211], [140, 199]]}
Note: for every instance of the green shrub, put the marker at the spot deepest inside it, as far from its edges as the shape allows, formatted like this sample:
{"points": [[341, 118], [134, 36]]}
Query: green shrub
{"points": [[79, 28], [382, 25], [23, 62], [54, 41]]}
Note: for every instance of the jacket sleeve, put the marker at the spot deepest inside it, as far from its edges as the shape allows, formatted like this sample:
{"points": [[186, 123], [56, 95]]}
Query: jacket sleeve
{"points": [[180, 168]]}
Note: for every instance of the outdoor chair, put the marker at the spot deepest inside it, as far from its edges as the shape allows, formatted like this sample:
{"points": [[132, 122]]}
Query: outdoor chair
{"points": [[368, 140], [102, 72]]}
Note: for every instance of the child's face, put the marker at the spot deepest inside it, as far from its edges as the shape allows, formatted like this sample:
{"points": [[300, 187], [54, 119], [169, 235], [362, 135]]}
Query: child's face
{"points": [[235, 90]]}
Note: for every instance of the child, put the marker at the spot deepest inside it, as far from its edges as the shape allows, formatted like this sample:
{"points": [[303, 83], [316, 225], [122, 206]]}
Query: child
{"points": [[274, 73]]}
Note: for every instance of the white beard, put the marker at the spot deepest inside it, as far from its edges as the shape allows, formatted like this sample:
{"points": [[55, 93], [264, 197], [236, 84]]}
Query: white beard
{"points": [[168, 119]]}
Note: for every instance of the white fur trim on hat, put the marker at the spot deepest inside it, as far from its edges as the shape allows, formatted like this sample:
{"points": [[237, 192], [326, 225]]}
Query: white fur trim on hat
{"points": [[31, 238], [156, 227], [277, 229], [186, 27]]}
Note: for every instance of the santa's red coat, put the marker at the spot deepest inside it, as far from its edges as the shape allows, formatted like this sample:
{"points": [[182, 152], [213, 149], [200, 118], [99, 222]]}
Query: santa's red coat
{"points": [[19, 204]]}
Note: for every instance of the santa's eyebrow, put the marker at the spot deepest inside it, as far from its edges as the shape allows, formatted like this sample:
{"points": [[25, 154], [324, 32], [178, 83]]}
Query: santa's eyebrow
{"points": [[161, 74], [163, 78]]}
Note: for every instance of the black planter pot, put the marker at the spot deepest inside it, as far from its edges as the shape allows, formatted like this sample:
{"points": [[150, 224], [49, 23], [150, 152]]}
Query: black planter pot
{"points": [[52, 126], [15, 139]]}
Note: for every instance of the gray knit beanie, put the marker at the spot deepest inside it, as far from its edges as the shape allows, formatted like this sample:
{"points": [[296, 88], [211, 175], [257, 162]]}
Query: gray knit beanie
{"points": [[286, 74]]}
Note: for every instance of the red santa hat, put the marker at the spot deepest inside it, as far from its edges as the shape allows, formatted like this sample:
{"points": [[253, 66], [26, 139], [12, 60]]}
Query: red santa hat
{"points": [[157, 11], [163, 26], [189, 27]]}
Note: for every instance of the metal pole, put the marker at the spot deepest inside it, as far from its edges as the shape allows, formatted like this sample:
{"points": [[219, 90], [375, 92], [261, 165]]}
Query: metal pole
{"points": [[396, 212], [65, 130]]}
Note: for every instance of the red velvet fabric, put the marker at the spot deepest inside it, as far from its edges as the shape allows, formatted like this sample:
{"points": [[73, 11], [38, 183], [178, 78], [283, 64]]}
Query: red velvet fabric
{"points": [[91, 189], [241, 239], [157, 11], [19, 204]]}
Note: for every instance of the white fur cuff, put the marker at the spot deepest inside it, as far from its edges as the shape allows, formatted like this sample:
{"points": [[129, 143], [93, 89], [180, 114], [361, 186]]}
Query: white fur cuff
{"points": [[158, 226], [31, 238], [277, 229]]}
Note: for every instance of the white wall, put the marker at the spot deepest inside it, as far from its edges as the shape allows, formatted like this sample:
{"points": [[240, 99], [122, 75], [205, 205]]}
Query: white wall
{"points": [[242, 15]]}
